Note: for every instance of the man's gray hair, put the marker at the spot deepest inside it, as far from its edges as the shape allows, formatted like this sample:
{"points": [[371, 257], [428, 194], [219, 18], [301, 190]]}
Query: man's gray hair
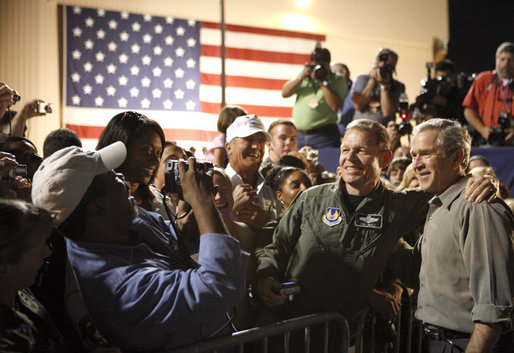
{"points": [[383, 140], [452, 137], [505, 47]]}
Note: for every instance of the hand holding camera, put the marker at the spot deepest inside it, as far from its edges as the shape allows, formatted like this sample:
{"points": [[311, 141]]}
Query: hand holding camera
{"points": [[188, 179], [36, 107]]}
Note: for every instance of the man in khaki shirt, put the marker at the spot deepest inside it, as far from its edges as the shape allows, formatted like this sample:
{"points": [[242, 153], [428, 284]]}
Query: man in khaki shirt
{"points": [[467, 269]]}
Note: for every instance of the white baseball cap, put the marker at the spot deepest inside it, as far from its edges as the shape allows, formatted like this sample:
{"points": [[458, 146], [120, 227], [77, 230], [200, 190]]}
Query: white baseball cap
{"points": [[62, 180], [245, 126]]}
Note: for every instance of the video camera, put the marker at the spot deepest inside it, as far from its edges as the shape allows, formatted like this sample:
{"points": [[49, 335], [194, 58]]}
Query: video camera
{"points": [[172, 178], [497, 136]]}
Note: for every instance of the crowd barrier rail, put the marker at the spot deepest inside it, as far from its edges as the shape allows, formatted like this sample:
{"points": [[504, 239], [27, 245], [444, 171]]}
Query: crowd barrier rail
{"points": [[263, 333]]}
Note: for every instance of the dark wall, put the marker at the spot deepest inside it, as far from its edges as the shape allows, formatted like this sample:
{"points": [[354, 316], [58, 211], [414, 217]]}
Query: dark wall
{"points": [[476, 30]]}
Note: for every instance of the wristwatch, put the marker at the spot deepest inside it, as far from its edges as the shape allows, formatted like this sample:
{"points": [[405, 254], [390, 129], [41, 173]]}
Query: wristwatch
{"points": [[324, 83]]}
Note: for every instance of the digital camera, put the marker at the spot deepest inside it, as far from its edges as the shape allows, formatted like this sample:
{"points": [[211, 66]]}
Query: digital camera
{"points": [[172, 178]]}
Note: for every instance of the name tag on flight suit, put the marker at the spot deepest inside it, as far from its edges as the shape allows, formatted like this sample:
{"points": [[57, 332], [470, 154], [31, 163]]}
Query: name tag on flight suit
{"points": [[368, 220]]}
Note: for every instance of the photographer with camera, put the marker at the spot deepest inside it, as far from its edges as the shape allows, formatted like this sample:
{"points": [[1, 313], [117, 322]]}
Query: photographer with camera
{"points": [[489, 104], [139, 286], [319, 94], [376, 95]]}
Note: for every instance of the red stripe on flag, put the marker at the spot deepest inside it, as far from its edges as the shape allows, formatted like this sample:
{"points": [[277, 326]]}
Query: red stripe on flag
{"points": [[259, 110], [266, 31], [94, 132], [243, 82], [256, 55]]}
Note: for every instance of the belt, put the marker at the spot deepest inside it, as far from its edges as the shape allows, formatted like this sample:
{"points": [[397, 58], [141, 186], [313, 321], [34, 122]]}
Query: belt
{"points": [[318, 129], [443, 334]]}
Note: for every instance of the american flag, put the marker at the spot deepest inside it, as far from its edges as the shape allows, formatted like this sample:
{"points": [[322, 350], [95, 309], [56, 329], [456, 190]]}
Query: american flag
{"points": [[170, 70]]}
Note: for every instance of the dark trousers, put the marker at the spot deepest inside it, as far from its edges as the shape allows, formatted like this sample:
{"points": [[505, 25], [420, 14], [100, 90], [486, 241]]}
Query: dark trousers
{"points": [[323, 137]]}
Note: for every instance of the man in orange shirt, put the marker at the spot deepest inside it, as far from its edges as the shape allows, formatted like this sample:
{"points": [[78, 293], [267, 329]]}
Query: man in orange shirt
{"points": [[489, 102]]}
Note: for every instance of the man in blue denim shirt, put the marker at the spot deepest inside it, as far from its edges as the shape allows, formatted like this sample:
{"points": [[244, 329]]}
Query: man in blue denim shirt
{"points": [[138, 283]]}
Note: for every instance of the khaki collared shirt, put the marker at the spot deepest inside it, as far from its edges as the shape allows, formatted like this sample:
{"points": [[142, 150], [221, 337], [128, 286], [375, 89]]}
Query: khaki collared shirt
{"points": [[467, 266]]}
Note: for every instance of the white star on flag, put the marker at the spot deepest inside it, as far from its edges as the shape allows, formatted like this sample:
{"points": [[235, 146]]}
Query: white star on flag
{"points": [[125, 15], [123, 58], [89, 44], [191, 42], [179, 94], [168, 83], [77, 32], [100, 56], [157, 50], [191, 22], [190, 63], [124, 36], [147, 18], [190, 105], [180, 31], [147, 38], [111, 69], [101, 13], [99, 79], [111, 91], [123, 80], [156, 93], [88, 89], [158, 29], [145, 82], [77, 10], [76, 54], [88, 67], [75, 99], [89, 22], [146, 60], [190, 84], [179, 52], [135, 48], [157, 71], [122, 102], [100, 34], [145, 103], [168, 62], [179, 73], [136, 27], [169, 20], [75, 77], [134, 92], [113, 24], [112, 46], [168, 40], [99, 101], [134, 70], [167, 104]]}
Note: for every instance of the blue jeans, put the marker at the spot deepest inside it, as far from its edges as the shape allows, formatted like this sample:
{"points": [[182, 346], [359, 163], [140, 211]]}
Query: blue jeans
{"points": [[326, 136]]}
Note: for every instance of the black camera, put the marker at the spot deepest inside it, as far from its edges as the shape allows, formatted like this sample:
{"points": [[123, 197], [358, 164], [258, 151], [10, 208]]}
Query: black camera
{"points": [[16, 97], [320, 71], [497, 136], [172, 177], [386, 70], [20, 170]]}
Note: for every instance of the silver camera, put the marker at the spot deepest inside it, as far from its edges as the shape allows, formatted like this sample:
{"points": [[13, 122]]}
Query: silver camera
{"points": [[44, 108]]}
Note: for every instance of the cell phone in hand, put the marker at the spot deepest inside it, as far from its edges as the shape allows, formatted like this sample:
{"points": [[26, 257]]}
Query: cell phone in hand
{"points": [[288, 289]]}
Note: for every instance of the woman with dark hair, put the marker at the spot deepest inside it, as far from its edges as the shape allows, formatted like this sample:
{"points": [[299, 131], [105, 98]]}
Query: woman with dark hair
{"points": [[25, 325], [144, 139], [287, 182]]}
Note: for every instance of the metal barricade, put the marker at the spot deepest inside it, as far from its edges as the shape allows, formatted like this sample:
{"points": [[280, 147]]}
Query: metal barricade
{"points": [[238, 339], [405, 335]]}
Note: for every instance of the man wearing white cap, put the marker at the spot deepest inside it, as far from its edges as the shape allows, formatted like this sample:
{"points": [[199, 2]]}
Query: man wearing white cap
{"points": [[137, 281], [254, 202]]}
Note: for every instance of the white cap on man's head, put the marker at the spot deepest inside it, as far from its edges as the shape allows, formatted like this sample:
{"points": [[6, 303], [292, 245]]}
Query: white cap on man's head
{"points": [[62, 179], [245, 126]]}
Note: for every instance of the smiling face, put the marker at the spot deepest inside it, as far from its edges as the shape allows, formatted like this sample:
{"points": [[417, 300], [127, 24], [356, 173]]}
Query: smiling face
{"points": [[143, 156], [283, 141], [434, 170], [222, 194], [245, 154], [361, 161], [297, 181]]}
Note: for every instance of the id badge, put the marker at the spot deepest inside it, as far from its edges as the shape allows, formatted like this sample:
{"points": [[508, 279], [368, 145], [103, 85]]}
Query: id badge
{"points": [[313, 103]]}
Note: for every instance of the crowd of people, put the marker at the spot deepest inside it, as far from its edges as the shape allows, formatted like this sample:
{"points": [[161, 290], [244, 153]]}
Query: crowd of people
{"points": [[137, 246]]}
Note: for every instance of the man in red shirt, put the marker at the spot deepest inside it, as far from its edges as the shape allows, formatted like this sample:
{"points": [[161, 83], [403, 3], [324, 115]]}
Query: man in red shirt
{"points": [[491, 96]]}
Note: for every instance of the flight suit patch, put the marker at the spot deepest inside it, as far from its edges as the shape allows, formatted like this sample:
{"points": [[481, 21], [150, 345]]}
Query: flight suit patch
{"points": [[368, 220], [332, 217]]}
